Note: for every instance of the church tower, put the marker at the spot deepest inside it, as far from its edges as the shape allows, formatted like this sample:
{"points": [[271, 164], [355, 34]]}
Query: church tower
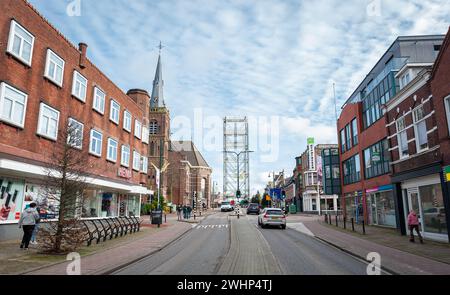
{"points": [[159, 131]]}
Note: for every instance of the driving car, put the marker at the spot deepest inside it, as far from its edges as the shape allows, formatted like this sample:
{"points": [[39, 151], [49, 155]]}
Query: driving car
{"points": [[253, 208], [226, 206], [272, 217]]}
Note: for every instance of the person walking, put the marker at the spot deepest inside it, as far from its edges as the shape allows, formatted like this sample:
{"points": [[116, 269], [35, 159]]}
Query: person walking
{"points": [[413, 223], [36, 227], [27, 222], [189, 210], [184, 211], [179, 212]]}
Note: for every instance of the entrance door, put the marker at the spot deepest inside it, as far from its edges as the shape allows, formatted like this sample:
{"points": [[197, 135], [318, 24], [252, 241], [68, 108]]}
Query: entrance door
{"points": [[374, 209], [414, 204]]}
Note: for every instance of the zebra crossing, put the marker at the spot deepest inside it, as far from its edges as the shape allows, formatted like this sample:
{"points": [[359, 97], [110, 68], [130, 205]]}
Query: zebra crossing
{"points": [[212, 226]]}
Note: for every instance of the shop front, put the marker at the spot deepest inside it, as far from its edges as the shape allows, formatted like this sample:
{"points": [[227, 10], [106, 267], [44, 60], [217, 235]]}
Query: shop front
{"points": [[425, 196], [354, 206], [381, 206]]}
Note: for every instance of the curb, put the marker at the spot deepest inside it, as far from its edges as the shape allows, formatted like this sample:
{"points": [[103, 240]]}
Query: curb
{"points": [[387, 270]]}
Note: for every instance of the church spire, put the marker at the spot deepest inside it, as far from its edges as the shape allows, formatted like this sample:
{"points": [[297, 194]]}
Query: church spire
{"points": [[157, 99]]}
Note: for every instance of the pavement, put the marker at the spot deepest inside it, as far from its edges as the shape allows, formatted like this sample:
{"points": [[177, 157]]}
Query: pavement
{"points": [[398, 255]]}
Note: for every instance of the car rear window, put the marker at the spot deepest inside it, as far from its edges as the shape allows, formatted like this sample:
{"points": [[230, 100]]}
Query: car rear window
{"points": [[274, 212], [225, 203], [253, 206]]}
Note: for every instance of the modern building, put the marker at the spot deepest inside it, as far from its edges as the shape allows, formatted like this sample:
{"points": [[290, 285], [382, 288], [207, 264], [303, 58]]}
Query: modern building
{"points": [[298, 181], [331, 173], [367, 192], [46, 85], [189, 175], [314, 198]]}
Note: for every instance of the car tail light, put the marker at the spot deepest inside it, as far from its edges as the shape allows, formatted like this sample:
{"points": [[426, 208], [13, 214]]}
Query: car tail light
{"points": [[266, 216], [284, 216]]}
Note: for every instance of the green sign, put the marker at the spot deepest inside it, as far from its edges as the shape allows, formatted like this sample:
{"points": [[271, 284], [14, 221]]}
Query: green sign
{"points": [[310, 140], [447, 173], [376, 157]]}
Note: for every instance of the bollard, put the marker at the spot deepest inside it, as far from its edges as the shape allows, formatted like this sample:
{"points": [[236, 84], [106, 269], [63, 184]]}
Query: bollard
{"points": [[345, 222], [363, 228], [353, 224], [326, 218], [194, 216], [329, 219], [165, 217], [336, 220]]}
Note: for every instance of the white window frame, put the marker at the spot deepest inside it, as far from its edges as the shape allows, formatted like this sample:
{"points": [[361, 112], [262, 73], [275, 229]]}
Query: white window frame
{"points": [[99, 95], [127, 120], [76, 74], [40, 122], [416, 129], [137, 132], [113, 110], [145, 134], [12, 34], [80, 147], [51, 54], [447, 111], [3, 87], [90, 143], [122, 158], [136, 157], [144, 166], [108, 156], [401, 131]]}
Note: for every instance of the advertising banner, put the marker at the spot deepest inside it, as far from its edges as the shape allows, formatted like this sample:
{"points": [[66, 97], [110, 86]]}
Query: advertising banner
{"points": [[11, 200]]}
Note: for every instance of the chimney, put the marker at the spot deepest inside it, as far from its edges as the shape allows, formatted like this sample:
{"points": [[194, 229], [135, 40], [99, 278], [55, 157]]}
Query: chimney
{"points": [[82, 47]]}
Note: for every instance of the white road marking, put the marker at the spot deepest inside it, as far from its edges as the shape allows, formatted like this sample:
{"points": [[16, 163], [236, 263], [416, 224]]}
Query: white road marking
{"points": [[212, 226], [300, 227]]}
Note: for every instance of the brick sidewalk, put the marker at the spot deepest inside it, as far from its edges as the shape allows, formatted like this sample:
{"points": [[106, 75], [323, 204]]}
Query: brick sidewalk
{"points": [[397, 253]]}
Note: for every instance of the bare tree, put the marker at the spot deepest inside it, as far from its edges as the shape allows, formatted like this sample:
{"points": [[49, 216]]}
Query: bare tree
{"points": [[65, 183]]}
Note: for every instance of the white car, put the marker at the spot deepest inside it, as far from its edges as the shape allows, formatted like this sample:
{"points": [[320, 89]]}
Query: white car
{"points": [[272, 217], [226, 206]]}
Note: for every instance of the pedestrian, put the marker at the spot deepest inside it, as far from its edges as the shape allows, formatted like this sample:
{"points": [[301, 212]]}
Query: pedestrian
{"points": [[36, 227], [189, 210], [27, 222], [184, 211], [413, 223], [179, 211]]}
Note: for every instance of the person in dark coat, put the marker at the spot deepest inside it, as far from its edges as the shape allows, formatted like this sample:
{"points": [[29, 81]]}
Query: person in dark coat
{"points": [[27, 222]]}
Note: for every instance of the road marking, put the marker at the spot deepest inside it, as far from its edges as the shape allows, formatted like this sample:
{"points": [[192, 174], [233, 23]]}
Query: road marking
{"points": [[212, 226], [300, 227]]}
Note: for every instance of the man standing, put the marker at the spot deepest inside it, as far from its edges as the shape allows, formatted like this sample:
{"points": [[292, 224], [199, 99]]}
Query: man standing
{"points": [[27, 221], [184, 212], [179, 212]]}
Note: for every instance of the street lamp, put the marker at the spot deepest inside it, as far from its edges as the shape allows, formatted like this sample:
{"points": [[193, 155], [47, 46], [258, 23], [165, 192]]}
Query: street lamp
{"points": [[238, 174], [158, 175]]}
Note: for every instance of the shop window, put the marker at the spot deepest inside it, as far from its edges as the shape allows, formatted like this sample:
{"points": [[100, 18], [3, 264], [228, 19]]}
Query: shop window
{"points": [[75, 134], [99, 100], [434, 218], [20, 43], [402, 138], [125, 156], [114, 111], [420, 129], [48, 122], [54, 68], [11, 198], [95, 146], [137, 129], [112, 150], [79, 86], [13, 104], [127, 121]]}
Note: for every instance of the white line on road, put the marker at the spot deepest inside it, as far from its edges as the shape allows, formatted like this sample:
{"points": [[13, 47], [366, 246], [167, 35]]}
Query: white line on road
{"points": [[300, 227], [212, 226]]}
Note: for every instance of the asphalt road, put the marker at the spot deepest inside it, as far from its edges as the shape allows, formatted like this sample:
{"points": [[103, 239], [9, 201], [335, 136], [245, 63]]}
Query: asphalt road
{"points": [[223, 244]]}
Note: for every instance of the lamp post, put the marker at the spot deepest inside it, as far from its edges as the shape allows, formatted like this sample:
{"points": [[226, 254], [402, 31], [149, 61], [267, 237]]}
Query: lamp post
{"points": [[158, 182], [238, 175]]}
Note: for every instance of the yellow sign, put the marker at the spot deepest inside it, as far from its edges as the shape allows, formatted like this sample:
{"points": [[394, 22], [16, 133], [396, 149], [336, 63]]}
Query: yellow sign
{"points": [[268, 198]]}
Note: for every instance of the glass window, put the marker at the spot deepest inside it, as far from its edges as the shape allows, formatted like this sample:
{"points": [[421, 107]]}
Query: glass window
{"points": [[336, 172], [20, 43], [348, 137], [420, 128], [144, 166], [127, 121], [434, 218], [115, 111], [75, 134], [12, 199], [54, 68], [79, 86], [95, 146], [48, 122], [357, 168], [99, 100], [447, 110], [136, 161], [13, 103], [376, 159], [125, 156], [145, 134], [343, 141], [112, 150], [402, 138], [355, 131], [153, 128], [137, 129]]}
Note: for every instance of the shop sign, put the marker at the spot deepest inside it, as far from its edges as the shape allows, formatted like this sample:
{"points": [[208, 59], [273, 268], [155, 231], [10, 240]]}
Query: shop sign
{"points": [[447, 173], [124, 173], [376, 157]]}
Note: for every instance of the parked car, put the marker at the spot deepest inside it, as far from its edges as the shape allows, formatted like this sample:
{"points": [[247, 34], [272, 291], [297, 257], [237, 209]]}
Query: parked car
{"points": [[226, 206], [272, 217], [253, 208]]}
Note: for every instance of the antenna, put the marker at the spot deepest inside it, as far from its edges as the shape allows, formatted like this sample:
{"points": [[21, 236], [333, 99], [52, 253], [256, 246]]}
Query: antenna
{"points": [[160, 47]]}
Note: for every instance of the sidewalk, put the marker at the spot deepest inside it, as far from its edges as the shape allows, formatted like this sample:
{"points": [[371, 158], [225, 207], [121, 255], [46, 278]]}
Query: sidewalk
{"points": [[99, 258], [398, 255]]}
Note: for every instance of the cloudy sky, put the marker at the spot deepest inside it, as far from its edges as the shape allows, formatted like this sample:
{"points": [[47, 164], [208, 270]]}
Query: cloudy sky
{"points": [[273, 61]]}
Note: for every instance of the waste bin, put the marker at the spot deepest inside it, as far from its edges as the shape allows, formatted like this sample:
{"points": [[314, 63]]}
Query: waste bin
{"points": [[292, 209], [156, 217]]}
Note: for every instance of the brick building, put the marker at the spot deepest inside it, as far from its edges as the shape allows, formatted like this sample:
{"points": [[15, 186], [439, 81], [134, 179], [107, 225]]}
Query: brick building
{"points": [[47, 83], [298, 180], [367, 192], [189, 175]]}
